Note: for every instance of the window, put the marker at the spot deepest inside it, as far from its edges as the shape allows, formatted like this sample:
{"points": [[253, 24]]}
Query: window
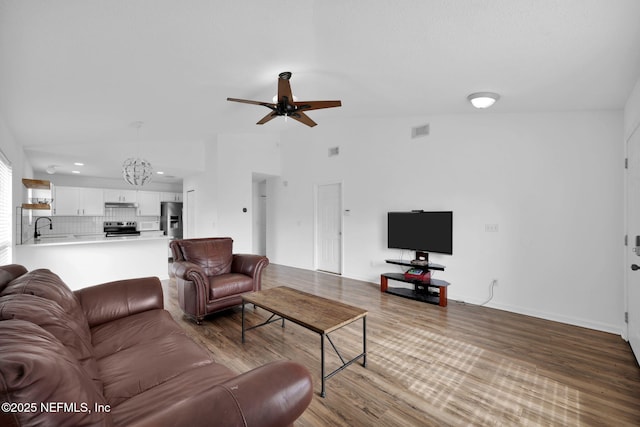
{"points": [[5, 210]]}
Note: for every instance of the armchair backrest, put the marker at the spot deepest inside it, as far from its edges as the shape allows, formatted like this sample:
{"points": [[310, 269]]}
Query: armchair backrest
{"points": [[214, 254]]}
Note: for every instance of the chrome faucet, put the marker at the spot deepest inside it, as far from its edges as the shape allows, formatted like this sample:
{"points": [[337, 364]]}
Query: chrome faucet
{"points": [[35, 233]]}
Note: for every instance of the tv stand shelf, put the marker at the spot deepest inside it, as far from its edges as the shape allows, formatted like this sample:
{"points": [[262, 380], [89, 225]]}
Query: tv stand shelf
{"points": [[433, 291], [429, 266]]}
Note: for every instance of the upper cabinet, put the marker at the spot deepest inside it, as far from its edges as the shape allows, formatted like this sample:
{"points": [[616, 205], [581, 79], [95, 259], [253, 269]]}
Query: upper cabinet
{"points": [[92, 200], [120, 196], [170, 197], [82, 201], [148, 203], [78, 201]]}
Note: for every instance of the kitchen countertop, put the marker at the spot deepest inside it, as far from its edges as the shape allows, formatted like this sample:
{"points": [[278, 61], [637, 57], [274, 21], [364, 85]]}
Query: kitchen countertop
{"points": [[80, 239]]}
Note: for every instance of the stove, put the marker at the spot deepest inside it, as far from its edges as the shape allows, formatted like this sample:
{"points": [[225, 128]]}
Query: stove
{"points": [[120, 228]]}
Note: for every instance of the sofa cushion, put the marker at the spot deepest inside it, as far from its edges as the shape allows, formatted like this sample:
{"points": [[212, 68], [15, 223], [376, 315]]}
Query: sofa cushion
{"points": [[213, 255], [120, 334], [53, 319], [229, 284], [45, 284], [142, 367], [36, 368], [139, 352]]}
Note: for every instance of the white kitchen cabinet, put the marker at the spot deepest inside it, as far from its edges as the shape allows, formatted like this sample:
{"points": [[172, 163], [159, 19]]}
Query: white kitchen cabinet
{"points": [[92, 201], [78, 201], [120, 196], [170, 197], [66, 201], [148, 203]]}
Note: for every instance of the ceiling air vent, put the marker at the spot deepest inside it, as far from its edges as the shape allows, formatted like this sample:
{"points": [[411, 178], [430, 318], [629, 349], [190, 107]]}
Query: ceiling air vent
{"points": [[334, 151], [419, 131]]}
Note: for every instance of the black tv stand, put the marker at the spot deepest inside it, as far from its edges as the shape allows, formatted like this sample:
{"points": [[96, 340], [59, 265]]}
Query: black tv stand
{"points": [[433, 291]]}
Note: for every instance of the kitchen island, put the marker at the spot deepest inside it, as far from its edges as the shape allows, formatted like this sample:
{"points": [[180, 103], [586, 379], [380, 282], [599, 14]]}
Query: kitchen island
{"points": [[86, 260]]}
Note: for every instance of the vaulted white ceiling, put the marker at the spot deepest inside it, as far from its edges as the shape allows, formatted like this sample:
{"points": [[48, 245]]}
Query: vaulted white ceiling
{"points": [[76, 74]]}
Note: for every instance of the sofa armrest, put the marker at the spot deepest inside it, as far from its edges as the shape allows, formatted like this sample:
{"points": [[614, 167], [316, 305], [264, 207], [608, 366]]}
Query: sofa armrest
{"points": [[186, 270], [113, 300], [10, 272], [248, 264], [272, 395], [193, 288], [190, 272], [286, 385]]}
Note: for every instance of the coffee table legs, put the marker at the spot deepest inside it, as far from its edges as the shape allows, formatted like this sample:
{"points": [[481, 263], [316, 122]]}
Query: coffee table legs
{"points": [[242, 322], [323, 336], [322, 392], [362, 355], [364, 341]]}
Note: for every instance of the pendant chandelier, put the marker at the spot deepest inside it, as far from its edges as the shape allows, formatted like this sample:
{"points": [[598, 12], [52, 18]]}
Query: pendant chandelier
{"points": [[136, 170]]}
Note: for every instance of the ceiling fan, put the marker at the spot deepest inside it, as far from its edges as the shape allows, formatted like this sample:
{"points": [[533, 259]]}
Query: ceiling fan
{"points": [[286, 106]]}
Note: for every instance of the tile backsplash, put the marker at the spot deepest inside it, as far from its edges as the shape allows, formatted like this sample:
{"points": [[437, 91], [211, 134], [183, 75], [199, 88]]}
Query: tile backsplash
{"points": [[76, 224]]}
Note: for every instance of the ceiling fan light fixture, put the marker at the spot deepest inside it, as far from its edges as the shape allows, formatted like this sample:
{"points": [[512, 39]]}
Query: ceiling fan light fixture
{"points": [[483, 99], [275, 99], [287, 104]]}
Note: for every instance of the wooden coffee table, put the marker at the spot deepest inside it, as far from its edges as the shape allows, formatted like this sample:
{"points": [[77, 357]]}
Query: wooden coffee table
{"points": [[320, 315]]}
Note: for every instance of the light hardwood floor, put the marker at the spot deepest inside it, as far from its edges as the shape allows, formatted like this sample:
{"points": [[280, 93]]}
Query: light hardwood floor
{"points": [[461, 365]]}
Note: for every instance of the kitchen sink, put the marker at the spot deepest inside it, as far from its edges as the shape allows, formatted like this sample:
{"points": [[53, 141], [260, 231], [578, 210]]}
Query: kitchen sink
{"points": [[56, 236]]}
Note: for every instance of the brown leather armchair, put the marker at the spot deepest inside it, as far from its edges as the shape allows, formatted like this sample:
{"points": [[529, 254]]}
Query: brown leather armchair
{"points": [[210, 277]]}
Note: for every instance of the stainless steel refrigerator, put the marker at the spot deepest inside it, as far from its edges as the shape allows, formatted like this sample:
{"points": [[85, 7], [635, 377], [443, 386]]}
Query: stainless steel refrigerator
{"points": [[171, 219]]}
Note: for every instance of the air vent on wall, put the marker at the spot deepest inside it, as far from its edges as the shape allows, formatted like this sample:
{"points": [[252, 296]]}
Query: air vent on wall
{"points": [[419, 131]]}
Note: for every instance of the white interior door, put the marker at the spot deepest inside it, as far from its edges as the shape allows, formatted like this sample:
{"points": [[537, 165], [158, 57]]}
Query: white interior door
{"points": [[259, 218], [329, 228], [633, 253]]}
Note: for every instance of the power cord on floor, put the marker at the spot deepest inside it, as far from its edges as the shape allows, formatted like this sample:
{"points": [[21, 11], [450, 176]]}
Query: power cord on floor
{"points": [[493, 284]]}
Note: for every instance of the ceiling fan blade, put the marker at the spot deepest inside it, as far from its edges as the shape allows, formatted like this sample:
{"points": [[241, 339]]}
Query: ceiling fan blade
{"points": [[284, 90], [303, 118], [272, 115], [316, 105], [247, 101]]}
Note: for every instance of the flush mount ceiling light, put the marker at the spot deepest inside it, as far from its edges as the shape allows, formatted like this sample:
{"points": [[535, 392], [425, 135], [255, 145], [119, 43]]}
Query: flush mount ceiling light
{"points": [[483, 99], [135, 170]]}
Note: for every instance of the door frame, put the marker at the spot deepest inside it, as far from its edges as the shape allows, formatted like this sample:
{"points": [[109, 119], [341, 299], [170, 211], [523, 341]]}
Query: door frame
{"points": [[629, 241], [316, 240]]}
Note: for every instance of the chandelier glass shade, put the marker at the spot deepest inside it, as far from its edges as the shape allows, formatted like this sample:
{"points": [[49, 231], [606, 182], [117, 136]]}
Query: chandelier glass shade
{"points": [[137, 171]]}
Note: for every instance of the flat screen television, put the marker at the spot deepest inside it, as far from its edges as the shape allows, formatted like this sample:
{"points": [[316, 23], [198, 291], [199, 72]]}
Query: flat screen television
{"points": [[421, 231]]}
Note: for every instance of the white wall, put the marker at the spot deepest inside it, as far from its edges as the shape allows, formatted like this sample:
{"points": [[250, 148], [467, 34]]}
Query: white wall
{"points": [[632, 112], [20, 168], [225, 189], [19, 164], [553, 183], [204, 188]]}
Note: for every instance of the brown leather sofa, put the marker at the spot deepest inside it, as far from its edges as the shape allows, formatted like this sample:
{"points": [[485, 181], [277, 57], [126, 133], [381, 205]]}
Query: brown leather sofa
{"points": [[110, 355], [210, 277]]}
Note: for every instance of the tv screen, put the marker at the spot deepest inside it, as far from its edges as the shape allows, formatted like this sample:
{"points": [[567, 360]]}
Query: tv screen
{"points": [[421, 231]]}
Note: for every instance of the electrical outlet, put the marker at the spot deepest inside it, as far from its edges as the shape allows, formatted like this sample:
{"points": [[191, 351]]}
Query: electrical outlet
{"points": [[491, 228]]}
